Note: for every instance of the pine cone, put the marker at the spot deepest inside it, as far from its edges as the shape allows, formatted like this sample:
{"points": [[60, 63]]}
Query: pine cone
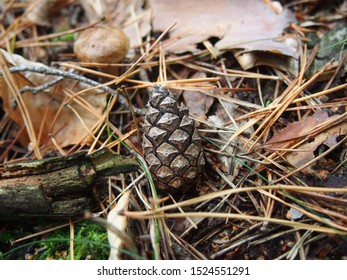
{"points": [[171, 144]]}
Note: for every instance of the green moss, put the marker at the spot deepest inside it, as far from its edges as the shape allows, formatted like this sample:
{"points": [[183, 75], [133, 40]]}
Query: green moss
{"points": [[90, 242]]}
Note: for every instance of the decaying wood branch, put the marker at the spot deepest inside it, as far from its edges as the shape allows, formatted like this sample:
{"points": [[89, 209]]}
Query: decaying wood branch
{"points": [[58, 186]]}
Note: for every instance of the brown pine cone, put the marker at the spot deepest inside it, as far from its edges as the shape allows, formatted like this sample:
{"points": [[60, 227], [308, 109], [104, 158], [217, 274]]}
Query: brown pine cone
{"points": [[171, 144]]}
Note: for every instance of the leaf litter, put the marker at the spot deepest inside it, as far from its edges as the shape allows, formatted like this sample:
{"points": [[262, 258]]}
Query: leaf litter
{"points": [[75, 117], [304, 129], [274, 128], [254, 37]]}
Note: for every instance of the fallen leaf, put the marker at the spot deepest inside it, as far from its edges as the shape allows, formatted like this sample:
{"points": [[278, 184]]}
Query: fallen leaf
{"points": [[301, 129], [295, 130], [53, 113], [244, 26], [306, 151], [197, 102]]}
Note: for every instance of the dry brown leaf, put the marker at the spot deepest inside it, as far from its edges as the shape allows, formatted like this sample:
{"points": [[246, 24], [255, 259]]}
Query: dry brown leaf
{"points": [[297, 130], [197, 102], [245, 26], [118, 222], [306, 151], [53, 113]]}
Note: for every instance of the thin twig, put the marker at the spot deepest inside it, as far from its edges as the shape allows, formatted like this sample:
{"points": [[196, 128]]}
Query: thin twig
{"points": [[67, 74], [36, 90]]}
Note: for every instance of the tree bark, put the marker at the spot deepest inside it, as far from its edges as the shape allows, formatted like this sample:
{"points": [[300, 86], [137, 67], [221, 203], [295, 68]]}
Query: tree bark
{"points": [[58, 186]]}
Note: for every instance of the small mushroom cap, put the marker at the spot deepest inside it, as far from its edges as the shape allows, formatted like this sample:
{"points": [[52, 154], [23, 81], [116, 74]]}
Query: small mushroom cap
{"points": [[102, 44]]}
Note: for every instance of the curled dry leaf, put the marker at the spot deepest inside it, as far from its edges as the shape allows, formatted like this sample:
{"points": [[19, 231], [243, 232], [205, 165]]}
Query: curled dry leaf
{"points": [[295, 130], [251, 28], [302, 129], [118, 222], [54, 113]]}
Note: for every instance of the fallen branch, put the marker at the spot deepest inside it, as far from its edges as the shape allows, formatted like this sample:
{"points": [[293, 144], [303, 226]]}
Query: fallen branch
{"points": [[58, 186]]}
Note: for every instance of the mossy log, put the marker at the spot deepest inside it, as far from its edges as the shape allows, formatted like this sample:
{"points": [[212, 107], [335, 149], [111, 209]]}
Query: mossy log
{"points": [[58, 186]]}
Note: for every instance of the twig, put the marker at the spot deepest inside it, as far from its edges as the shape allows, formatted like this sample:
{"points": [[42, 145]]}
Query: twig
{"points": [[66, 74], [43, 87]]}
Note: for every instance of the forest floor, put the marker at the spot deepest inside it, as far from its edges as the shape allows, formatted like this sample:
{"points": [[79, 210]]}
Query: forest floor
{"points": [[265, 84]]}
